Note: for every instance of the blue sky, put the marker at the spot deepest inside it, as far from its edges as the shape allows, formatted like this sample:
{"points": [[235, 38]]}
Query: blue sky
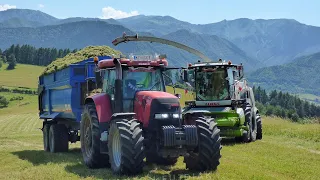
{"points": [[198, 12]]}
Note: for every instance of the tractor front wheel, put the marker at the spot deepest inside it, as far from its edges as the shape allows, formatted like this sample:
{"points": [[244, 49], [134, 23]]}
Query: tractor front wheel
{"points": [[125, 144], [90, 139], [207, 155]]}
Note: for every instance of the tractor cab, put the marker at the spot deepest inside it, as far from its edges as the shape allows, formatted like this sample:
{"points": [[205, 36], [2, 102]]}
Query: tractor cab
{"points": [[123, 78]]}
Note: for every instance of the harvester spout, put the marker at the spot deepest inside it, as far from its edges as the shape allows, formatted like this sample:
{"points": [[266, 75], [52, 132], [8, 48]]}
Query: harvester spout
{"points": [[126, 38]]}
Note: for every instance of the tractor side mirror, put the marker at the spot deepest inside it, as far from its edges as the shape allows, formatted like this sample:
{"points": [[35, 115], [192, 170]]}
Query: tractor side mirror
{"points": [[185, 75], [178, 95]]}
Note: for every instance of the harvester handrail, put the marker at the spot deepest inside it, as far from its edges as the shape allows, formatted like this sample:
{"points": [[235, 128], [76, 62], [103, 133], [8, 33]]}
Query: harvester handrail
{"points": [[126, 38]]}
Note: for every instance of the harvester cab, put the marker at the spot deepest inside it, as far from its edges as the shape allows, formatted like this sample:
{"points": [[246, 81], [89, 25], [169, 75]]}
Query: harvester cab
{"points": [[134, 117], [221, 89]]}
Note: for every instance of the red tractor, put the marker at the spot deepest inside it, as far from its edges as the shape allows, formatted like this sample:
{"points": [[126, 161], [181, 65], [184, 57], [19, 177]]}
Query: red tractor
{"points": [[135, 118]]}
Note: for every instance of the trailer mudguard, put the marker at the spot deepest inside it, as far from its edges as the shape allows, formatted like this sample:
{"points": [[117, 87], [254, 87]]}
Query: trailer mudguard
{"points": [[103, 106]]}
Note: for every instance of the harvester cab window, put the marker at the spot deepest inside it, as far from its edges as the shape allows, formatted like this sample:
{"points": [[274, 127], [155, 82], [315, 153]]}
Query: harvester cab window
{"points": [[212, 85]]}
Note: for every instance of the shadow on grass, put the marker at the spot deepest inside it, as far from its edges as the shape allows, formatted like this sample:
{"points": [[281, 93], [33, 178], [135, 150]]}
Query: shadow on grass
{"points": [[40, 157], [149, 171], [74, 164]]}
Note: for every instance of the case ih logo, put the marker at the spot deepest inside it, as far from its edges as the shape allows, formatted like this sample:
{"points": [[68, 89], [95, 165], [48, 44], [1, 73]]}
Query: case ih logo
{"points": [[213, 104]]}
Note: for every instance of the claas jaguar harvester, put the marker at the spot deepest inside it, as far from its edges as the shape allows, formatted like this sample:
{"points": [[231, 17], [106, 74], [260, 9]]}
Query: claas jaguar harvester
{"points": [[132, 117], [221, 90]]}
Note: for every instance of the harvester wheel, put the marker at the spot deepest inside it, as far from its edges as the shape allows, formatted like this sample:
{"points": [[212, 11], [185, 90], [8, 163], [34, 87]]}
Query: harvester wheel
{"points": [[45, 132], [90, 139], [125, 144], [207, 155], [58, 138], [259, 126], [155, 158], [251, 123]]}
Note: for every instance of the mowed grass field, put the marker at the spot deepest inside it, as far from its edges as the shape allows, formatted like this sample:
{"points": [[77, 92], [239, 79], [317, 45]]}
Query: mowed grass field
{"points": [[287, 150]]}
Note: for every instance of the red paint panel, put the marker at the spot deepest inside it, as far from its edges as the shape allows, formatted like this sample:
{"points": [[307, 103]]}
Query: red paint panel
{"points": [[103, 106]]}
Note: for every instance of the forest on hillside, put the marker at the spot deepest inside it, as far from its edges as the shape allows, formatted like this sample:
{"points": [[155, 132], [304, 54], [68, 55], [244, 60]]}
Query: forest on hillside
{"points": [[27, 54], [285, 105]]}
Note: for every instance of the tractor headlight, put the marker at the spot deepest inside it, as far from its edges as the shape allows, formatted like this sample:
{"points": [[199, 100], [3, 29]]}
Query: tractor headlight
{"points": [[175, 116], [161, 116]]}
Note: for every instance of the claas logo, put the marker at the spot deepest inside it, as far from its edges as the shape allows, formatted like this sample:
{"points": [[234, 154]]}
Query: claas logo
{"points": [[213, 104]]}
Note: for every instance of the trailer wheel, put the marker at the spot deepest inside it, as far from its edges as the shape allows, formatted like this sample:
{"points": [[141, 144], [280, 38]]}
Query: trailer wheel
{"points": [[45, 132], [259, 126], [126, 150], [90, 139], [58, 138], [155, 158], [207, 155]]}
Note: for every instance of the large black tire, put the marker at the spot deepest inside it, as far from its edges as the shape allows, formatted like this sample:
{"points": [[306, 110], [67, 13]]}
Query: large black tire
{"points": [[125, 144], [45, 133], [207, 155], [250, 122], [90, 139], [156, 159], [58, 138], [259, 126]]}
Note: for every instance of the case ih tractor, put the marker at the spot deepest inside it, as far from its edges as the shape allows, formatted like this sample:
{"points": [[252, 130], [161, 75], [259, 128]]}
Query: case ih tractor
{"points": [[135, 118], [221, 90]]}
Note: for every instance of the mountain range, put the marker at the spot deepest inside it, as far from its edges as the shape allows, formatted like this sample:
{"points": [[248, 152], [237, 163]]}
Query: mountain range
{"points": [[261, 45]]}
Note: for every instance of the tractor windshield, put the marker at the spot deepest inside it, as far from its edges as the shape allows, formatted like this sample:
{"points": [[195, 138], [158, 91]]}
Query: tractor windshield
{"points": [[211, 84], [141, 79]]}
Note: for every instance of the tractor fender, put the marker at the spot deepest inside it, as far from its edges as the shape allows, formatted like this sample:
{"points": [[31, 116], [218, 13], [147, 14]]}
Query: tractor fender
{"points": [[103, 106]]}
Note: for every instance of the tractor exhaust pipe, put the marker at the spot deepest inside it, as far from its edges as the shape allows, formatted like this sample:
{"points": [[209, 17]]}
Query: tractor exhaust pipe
{"points": [[118, 95]]}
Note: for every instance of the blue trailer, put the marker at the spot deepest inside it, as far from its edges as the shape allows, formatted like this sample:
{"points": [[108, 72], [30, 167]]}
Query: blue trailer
{"points": [[61, 99]]}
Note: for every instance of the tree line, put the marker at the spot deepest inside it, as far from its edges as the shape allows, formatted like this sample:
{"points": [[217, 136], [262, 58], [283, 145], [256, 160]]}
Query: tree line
{"points": [[284, 105], [27, 54]]}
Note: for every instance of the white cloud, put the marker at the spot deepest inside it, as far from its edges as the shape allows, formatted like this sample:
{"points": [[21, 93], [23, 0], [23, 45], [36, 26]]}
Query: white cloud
{"points": [[4, 7], [40, 5], [109, 12]]}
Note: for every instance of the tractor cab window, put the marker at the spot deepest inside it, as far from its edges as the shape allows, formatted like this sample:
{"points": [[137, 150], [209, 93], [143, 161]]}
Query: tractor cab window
{"points": [[109, 81], [140, 79], [211, 84]]}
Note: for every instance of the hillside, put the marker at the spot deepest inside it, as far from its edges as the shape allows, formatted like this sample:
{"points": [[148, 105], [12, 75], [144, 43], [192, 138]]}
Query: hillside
{"points": [[27, 15], [21, 76], [299, 76], [75, 36], [275, 41]]}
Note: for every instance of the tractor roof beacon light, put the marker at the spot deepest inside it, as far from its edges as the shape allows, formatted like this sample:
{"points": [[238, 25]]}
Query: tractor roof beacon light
{"points": [[229, 62], [95, 60]]}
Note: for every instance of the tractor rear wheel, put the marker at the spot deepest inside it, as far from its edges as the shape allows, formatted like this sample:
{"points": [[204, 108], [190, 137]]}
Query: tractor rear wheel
{"points": [[207, 155], [58, 138], [125, 144], [45, 132], [259, 126], [90, 139], [155, 158]]}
